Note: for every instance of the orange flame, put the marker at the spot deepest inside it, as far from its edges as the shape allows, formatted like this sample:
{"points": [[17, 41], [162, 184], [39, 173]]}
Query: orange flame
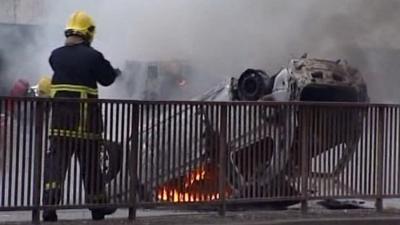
{"points": [[197, 186]]}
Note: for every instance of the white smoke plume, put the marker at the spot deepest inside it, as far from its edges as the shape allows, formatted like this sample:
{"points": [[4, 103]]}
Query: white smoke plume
{"points": [[221, 38]]}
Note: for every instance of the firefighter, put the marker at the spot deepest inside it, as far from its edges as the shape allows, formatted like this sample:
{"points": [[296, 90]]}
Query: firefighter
{"points": [[76, 127], [42, 88]]}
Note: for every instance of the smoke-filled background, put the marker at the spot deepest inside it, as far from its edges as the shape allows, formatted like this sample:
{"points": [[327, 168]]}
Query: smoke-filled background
{"points": [[220, 38]]}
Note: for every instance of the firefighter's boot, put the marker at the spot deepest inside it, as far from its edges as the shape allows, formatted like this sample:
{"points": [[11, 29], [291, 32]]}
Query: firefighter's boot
{"points": [[100, 213], [50, 216], [51, 197]]}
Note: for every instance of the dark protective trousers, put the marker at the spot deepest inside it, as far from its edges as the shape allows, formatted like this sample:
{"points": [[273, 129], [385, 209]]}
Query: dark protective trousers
{"points": [[57, 162]]}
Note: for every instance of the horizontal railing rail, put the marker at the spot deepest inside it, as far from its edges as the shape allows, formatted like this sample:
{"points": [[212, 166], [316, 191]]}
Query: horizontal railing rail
{"points": [[69, 153]]}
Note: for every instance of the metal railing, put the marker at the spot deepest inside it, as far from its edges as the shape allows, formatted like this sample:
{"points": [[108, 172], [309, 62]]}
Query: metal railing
{"points": [[201, 154]]}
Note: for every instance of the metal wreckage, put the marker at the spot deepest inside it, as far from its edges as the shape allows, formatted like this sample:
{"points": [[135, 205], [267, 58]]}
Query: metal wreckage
{"points": [[303, 79]]}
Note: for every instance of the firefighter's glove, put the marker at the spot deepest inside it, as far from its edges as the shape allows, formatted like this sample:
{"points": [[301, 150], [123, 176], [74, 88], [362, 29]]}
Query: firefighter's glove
{"points": [[118, 72]]}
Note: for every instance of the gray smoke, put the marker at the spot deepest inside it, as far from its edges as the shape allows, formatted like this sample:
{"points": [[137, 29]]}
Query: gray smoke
{"points": [[221, 38]]}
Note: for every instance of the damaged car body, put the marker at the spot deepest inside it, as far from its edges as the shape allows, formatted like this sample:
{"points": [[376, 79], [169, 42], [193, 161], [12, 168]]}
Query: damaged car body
{"points": [[274, 138]]}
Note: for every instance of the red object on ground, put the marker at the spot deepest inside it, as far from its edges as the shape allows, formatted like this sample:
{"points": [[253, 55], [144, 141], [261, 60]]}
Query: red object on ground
{"points": [[20, 88]]}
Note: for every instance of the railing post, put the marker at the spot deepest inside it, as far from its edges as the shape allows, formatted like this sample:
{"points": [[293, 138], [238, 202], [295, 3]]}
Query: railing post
{"points": [[134, 161], [304, 128], [380, 149], [222, 159], [37, 171]]}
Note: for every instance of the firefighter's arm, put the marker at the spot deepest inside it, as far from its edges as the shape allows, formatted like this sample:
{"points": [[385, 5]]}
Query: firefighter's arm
{"points": [[105, 73]]}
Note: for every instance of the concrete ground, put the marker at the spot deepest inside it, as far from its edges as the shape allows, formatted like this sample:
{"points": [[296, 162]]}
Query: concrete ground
{"points": [[258, 217], [316, 215]]}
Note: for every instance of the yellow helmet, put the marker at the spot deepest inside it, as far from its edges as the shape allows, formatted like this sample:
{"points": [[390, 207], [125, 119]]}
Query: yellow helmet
{"points": [[80, 24], [44, 86]]}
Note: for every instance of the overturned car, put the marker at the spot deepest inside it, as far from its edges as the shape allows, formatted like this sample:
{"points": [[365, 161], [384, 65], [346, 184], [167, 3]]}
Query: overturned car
{"points": [[180, 145]]}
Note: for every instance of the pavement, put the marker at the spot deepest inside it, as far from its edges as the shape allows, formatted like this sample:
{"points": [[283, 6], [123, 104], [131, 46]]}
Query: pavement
{"points": [[315, 216]]}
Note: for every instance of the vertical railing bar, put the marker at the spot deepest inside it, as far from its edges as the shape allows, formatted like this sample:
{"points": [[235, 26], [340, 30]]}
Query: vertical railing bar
{"points": [[105, 135], [222, 158], [157, 117], [322, 144], [260, 138], [293, 126], [361, 150], [343, 124], [328, 142], [141, 165], [146, 153], [23, 158], [342, 127], [355, 163], [376, 155], [38, 162], [275, 133], [46, 114], [380, 148], [328, 161], [239, 154], [386, 153], [367, 150], [257, 147], [253, 149], [65, 164], [372, 137], [174, 145], [271, 132], [247, 141], [31, 153], [304, 148], [230, 180], [74, 170], [312, 149], [113, 135], [159, 147], [336, 146], [126, 143], [373, 156], [197, 115], [17, 155], [153, 169], [4, 151], [11, 162], [313, 145], [166, 133], [184, 150], [392, 123], [134, 159], [352, 116], [164, 143], [122, 121], [355, 114], [124, 132], [346, 121], [396, 146], [331, 159], [389, 139], [187, 159], [383, 112], [117, 139], [179, 155], [170, 143]]}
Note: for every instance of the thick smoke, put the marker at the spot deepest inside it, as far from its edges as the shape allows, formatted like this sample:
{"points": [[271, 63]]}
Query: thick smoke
{"points": [[221, 38]]}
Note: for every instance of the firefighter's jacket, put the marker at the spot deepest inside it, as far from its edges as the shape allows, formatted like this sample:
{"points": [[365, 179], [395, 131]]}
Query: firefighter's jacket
{"points": [[77, 70]]}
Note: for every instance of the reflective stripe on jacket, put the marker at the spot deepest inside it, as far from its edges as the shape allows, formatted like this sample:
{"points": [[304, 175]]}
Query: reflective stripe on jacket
{"points": [[76, 120]]}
